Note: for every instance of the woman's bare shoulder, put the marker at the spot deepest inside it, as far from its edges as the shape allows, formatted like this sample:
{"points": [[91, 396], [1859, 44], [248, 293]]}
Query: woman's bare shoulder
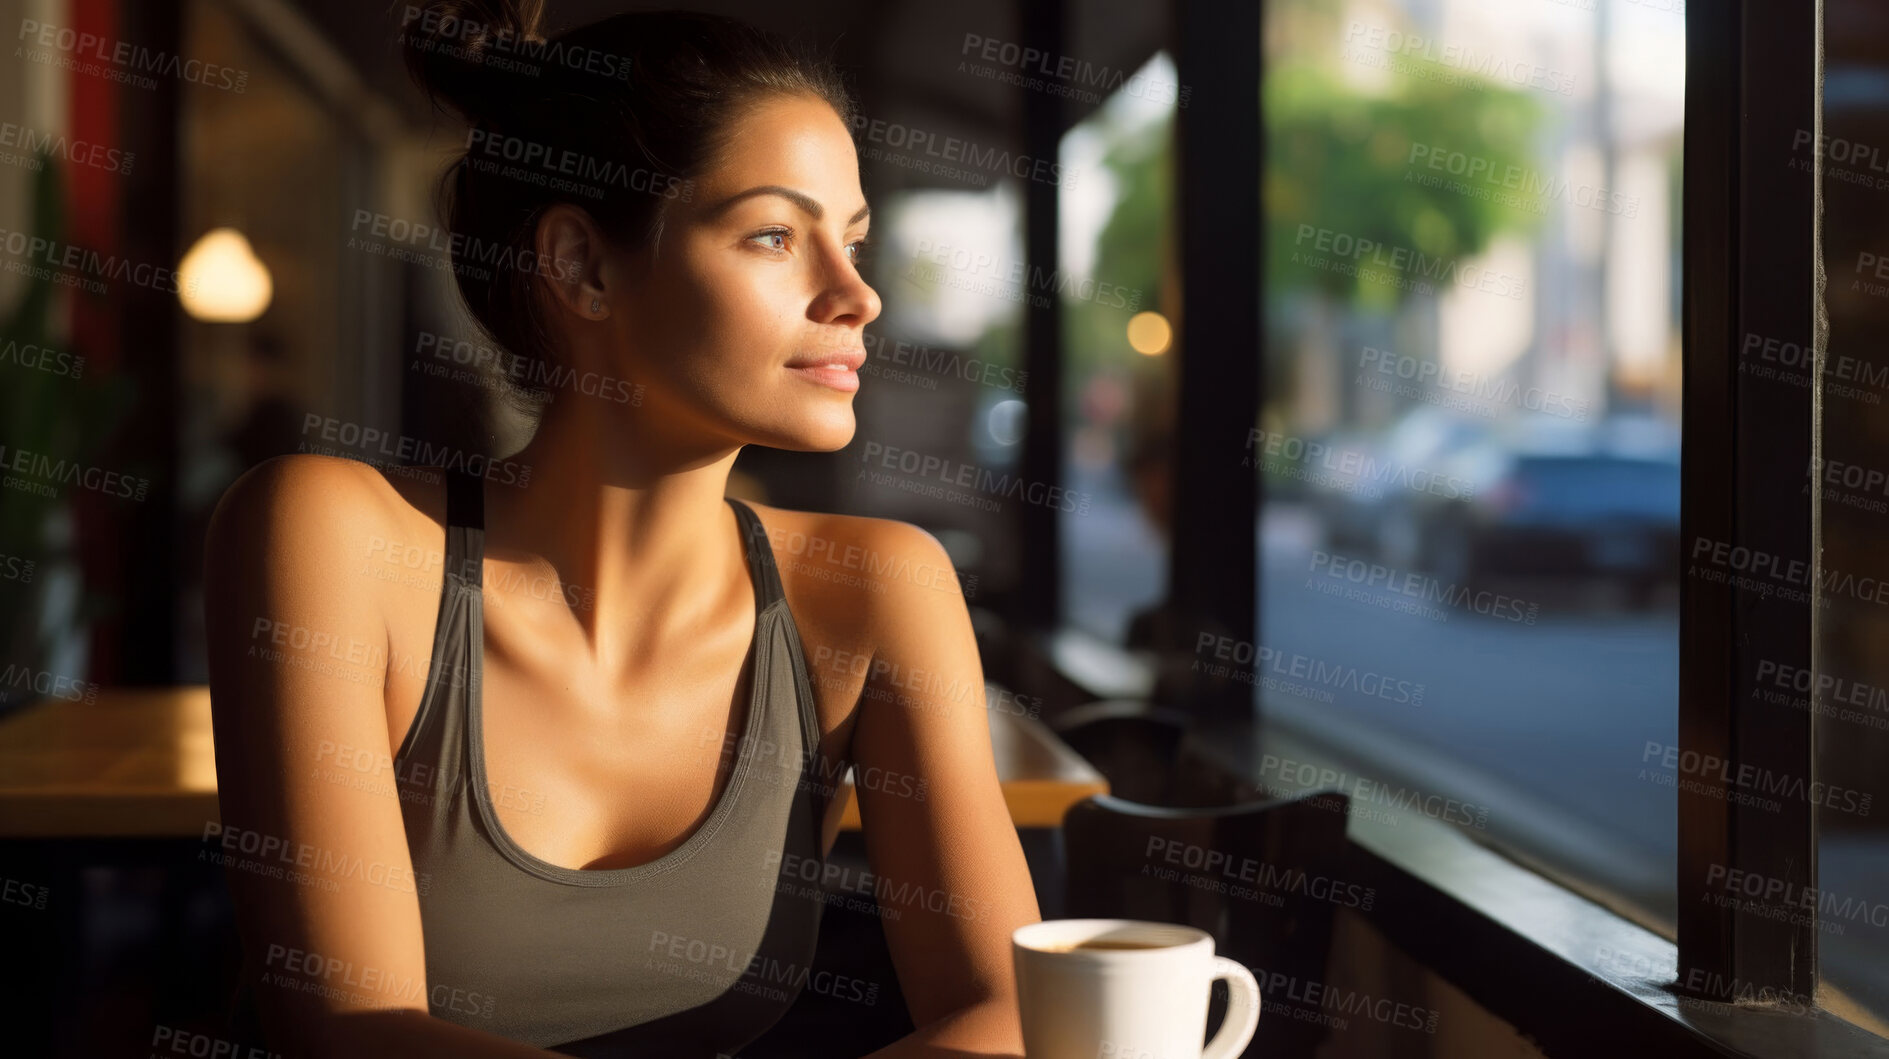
{"points": [[843, 538], [864, 566], [305, 504], [833, 522]]}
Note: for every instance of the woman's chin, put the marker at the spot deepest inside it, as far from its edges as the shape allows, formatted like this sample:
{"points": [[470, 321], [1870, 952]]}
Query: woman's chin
{"points": [[836, 439], [827, 430]]}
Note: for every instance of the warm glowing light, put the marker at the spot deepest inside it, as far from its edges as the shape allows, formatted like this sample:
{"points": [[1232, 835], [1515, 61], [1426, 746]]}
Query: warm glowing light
{"points": [[222, 280], [1149, 333]]}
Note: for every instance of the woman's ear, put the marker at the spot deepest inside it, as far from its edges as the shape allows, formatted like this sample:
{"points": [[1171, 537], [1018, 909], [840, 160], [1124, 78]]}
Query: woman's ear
{"points": [[572, 253]]}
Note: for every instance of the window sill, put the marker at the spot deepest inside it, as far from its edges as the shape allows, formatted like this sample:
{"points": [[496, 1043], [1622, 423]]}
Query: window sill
{"points": [[1566, 970], [1573, 974]]}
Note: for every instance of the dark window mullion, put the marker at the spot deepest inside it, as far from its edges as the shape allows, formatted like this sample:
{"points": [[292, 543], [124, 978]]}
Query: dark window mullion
{"points": [[1213, 560], [1749, 216]]}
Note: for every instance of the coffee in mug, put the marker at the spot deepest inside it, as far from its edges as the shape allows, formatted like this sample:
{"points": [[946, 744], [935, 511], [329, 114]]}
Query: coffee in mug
{"points": [[1127, 989], [1102, 944]]}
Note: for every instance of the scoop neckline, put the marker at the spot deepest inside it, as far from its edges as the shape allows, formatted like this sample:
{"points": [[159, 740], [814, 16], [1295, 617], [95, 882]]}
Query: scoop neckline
{"points": [[757, 712]]}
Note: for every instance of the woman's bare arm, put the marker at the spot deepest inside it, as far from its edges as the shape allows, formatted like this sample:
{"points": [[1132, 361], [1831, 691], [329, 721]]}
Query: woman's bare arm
{"points": [[318, 870], [938, 833]]}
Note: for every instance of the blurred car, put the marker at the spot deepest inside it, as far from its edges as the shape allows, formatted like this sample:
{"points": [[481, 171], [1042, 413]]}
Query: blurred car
{"points": [[1296, 468], [1377, 517], [1591, 514]]}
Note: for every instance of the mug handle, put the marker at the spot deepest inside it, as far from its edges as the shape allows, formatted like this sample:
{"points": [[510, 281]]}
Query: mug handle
{"points": [[1242, 1017]]}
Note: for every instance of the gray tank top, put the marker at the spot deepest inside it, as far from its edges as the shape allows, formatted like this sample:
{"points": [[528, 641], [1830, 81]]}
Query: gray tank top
{"points": [[694, 954]]}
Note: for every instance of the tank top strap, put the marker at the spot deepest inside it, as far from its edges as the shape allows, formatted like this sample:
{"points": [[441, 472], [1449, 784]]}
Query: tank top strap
{"points": [[465, 527], [767, 579], [431, 764]]}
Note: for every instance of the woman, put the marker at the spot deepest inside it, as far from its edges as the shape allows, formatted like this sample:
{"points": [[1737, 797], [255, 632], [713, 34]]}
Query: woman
{"points": [[542, 761]]}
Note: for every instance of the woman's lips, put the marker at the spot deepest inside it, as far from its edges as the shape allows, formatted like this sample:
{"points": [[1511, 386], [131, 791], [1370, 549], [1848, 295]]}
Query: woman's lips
{"points": [[838, 376]]}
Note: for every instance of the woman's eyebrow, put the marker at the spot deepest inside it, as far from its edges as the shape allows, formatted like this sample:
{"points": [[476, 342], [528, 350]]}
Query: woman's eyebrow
{"points": [[801, 199]]}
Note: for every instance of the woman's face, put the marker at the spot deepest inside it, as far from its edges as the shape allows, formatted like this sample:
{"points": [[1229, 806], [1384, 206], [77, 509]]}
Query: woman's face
{"points": [[753, 275]]}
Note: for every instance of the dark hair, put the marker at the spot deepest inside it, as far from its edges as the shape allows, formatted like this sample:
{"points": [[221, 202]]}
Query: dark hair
{"points": [[617, 117]]}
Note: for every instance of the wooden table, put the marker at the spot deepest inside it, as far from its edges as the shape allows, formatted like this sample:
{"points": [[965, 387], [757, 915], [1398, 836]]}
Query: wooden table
{"points": [[1041, 776], [140, 764]]}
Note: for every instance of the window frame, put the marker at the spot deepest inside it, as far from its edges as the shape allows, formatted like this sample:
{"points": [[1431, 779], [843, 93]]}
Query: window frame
{"points": [[1753, 77]]}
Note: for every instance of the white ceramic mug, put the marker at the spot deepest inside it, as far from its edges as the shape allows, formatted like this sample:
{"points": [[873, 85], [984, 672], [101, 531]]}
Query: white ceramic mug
{"points": [[1145, 1002]]}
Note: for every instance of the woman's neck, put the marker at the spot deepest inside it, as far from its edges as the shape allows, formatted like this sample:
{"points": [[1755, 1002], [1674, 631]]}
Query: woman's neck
{"points": [[626, 514]]}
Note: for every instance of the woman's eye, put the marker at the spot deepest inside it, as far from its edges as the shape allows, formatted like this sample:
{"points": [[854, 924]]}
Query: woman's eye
{"points": [[858, 248], [773, 233]]}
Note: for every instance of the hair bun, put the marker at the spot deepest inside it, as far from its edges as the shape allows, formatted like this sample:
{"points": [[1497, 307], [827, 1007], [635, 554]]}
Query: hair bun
{"points": [[463, 52]]}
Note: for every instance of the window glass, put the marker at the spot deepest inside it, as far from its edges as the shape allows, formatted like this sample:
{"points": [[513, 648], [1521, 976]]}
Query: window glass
{"points": [[1469, 441], [1117, 354], [941, 401]]}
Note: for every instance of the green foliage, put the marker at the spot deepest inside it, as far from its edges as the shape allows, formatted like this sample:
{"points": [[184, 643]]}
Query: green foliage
{"points": [[1339, 159], [1131, 250], [1336, 158], [1130, 246], [57, 416]]}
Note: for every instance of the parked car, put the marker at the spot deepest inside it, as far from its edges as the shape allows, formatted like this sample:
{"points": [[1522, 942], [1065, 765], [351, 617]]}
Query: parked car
{"points": [[1592, 514], [1375, 519]]}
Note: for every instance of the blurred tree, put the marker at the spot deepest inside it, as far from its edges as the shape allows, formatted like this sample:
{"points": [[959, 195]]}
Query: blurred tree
{"points": [[1337, 158], [1341, 160], [1131, 250]]}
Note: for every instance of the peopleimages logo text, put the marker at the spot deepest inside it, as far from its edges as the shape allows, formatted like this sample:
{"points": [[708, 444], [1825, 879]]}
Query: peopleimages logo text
{"points": [[1747, 776], [1457, 56], [1369, 254], [41, 469], [442, 28], [413, 450], [129, 57], [903, 137]]}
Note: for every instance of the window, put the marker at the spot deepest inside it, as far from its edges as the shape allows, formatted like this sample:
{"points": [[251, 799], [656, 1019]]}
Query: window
{"points": [[1117, 383], [1469, 441], [941, 415]]}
